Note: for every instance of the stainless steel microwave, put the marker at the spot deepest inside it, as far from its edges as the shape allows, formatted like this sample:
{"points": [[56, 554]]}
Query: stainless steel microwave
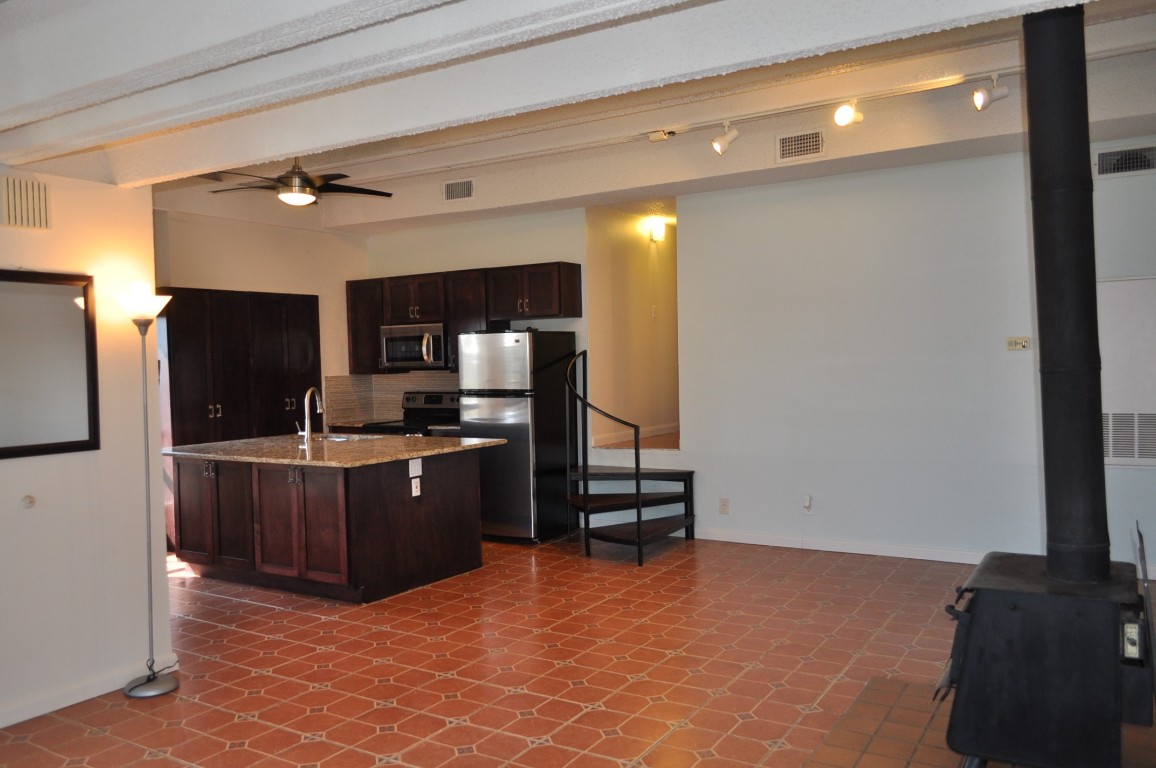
{"points": [[409, 347]]}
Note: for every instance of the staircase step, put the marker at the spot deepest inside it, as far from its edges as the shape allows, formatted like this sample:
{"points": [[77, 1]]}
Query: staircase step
{"points": [[652, 530], [615, 502], [608, 472]]}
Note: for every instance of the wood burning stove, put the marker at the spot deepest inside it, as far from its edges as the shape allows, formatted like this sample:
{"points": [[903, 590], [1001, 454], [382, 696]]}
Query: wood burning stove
{"points": [[1049, 658]]}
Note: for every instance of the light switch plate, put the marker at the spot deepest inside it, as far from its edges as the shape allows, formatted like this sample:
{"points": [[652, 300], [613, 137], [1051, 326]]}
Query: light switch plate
{"points": [[415, 486], [1018, 343]]}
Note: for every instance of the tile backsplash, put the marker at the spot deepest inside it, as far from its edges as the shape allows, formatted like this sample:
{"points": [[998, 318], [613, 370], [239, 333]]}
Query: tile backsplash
{"points": [[378, 398]]}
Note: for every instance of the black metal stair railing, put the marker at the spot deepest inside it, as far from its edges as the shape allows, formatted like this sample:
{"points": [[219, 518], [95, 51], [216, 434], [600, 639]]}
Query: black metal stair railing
{"points": [[641, 531], [579, 404]]}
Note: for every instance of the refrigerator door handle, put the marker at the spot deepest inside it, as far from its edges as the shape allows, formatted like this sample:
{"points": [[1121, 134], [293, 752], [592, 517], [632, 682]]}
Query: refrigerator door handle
{"points": [[426, 352]]}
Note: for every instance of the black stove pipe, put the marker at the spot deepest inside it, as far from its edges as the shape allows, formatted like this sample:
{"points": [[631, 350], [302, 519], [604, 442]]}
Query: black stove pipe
{"points": [[1065, 273]]}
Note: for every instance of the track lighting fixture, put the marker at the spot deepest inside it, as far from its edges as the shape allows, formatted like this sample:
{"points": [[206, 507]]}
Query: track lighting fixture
{"points": [[983, 97], [848, 114], [723, 141]]}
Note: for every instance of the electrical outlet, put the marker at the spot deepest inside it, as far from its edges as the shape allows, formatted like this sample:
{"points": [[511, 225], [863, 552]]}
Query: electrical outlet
{"points": [[724, 506], [807, 504]]}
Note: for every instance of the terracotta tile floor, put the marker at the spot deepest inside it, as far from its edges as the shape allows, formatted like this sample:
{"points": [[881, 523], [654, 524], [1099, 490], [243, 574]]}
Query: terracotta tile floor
{"points": [[712, 654]]}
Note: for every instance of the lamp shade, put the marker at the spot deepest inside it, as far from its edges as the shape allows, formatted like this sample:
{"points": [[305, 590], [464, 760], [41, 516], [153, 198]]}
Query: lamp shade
{"points": [[140, 303], [296, 192]]}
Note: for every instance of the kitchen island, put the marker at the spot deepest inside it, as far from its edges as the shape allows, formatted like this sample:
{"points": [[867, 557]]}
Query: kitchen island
{"points": [[350, 517]]}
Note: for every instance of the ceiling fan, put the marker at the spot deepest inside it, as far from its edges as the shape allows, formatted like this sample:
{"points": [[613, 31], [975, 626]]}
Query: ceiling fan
{"points": [[296, 187]]}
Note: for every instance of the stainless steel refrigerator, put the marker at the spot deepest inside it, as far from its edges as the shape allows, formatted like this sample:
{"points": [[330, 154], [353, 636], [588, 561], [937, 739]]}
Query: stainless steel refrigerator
{"points": [[513, 387]]}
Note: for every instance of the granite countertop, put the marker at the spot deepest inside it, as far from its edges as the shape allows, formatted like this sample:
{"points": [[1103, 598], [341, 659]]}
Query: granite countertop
{"points": [[328, 450]]}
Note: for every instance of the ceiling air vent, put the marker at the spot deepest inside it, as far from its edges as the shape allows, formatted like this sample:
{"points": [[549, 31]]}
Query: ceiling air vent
{"points": [[1125, 161], [799, 146], [23, 203], [459, 190]]}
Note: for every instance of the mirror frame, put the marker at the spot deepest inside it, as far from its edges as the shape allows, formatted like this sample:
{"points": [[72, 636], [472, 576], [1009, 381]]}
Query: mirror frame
{"points": [[92, 442]]}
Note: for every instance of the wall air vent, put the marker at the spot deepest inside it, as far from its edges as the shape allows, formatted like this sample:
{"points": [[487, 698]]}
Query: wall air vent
{"points": [[23, 203], [1120, 161], [800, 146], [1129, 439], [459, 190]]}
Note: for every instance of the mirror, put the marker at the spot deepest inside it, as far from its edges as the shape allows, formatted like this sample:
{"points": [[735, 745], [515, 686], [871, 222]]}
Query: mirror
{"points": [[48, 393]]}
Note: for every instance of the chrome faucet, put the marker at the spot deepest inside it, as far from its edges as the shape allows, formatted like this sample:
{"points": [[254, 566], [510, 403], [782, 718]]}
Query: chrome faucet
{"points": [[308, 432]]}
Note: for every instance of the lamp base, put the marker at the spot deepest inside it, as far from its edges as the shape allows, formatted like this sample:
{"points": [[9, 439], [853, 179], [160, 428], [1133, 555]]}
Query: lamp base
{"points": [[147, 686]]}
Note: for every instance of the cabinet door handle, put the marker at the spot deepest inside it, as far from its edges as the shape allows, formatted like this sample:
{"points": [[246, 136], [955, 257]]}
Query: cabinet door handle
{"points": [[526, 306], [294, 406], [212, 468], [417, 313], [204, 469], [211, 411], [292, 475], [218, 410], [519, 305], [411, 314], [286, 403]]}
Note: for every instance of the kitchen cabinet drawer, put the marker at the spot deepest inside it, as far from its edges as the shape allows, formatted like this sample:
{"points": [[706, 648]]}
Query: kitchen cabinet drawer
{"points": [[534, 291]]}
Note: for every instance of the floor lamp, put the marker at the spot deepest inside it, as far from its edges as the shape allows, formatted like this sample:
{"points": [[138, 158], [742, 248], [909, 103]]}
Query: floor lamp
{"points": [[143, 307]]}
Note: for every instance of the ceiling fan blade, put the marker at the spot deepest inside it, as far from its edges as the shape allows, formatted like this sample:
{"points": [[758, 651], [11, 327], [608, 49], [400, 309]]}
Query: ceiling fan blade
{"points": [[244, 189], [325, 178], [216, 176], [328, 187]]}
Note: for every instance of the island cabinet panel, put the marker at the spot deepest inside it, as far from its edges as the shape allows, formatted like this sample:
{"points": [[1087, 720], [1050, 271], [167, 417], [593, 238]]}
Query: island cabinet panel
{"points": [[215, 521], [399, 541], [300, 522]]}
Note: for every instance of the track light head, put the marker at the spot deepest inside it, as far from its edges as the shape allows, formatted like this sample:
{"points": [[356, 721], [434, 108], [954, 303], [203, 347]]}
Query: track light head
{"points": [[722, 142], [983, 97], [848, 114]]}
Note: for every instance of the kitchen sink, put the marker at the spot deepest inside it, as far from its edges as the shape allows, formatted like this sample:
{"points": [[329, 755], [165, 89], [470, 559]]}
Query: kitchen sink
{"points": [[342, 437]]}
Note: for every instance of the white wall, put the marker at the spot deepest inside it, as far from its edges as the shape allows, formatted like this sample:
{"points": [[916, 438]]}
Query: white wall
{"points": [[206, 252], [72, 567]]}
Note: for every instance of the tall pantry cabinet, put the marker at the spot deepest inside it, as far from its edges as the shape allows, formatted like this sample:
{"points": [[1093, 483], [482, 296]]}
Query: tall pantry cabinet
{"points": [[236, 364]]}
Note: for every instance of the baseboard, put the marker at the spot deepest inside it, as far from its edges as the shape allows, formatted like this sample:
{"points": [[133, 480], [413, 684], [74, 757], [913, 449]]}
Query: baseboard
{"points": [[39, 702], [881, 549], [622, 435]]}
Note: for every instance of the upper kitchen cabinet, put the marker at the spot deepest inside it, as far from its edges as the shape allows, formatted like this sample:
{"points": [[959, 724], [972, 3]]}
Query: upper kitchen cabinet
{"points": [[286, 361], [465, 307], [204, 337], [415, 299], [365, 314], [534, 291]]}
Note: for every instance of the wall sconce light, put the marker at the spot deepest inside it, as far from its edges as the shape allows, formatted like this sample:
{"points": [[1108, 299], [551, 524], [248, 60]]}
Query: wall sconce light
{"points": [[654, 227], [723, 141], [848, 114], [983, 97]]}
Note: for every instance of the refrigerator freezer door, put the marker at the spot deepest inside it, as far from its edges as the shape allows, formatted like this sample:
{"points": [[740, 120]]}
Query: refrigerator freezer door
{"points": [[507, 471], [492, 362]]}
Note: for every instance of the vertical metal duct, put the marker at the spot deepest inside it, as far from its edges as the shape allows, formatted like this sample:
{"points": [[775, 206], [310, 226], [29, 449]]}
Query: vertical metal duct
{"points": [[1065, 262]]}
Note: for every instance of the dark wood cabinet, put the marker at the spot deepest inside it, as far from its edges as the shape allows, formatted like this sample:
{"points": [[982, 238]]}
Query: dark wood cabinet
{"points": [[286, 361], [237, 363], [415, 299], [534, 291], [204, 337], [465, 308], [300, 522], [365, 314], [215, 524]]}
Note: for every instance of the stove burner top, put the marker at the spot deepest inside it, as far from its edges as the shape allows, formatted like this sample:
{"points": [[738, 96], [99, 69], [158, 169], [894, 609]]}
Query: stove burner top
{"points": [[420, 411]]}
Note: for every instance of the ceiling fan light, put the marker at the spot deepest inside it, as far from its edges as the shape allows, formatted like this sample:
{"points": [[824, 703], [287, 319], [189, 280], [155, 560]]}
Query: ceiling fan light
{"points": [[296, 192]]}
